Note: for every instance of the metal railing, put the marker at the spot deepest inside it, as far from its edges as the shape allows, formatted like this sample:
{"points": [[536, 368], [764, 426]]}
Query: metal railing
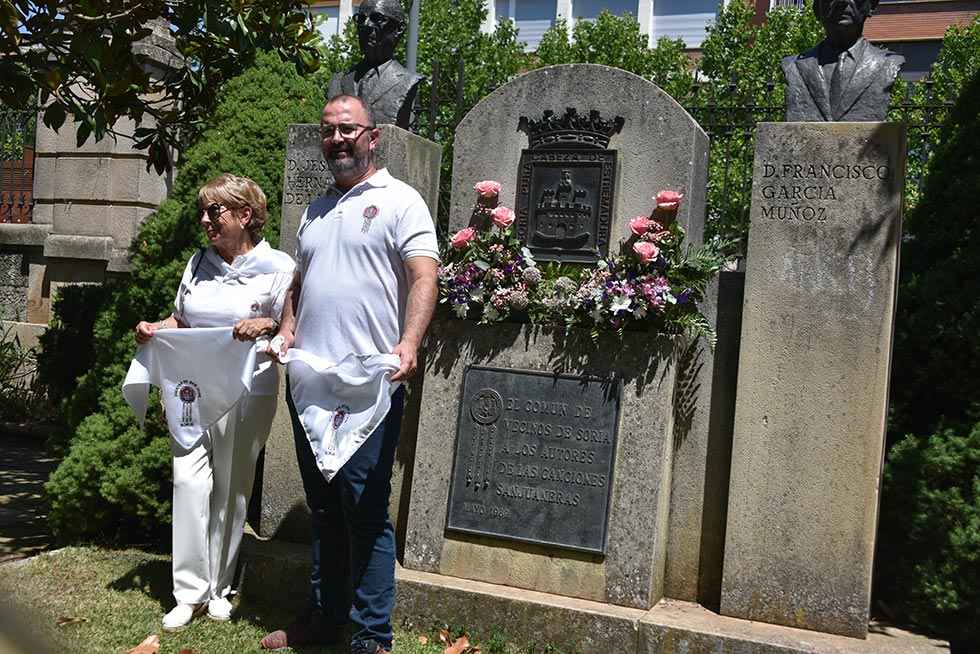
{"points": [[17, 165], [731, 125]]}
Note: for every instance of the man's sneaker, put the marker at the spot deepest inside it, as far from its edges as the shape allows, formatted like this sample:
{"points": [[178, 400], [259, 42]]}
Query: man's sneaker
{"points": [[308, 629], [219, 609], [367, 647], [181, 615]]}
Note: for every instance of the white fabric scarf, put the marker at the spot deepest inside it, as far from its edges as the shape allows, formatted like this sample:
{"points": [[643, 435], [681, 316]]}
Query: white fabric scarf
{"points": [[340, 404], [260, 260], [201, 372]]}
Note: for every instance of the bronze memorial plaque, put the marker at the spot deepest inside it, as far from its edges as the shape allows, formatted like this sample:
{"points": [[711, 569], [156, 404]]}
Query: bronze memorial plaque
{"points": [[565, 186], [534, 457]]}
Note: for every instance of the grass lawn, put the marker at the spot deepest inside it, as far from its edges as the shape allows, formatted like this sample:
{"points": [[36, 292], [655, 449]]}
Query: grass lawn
{"points": [[119, 597]]}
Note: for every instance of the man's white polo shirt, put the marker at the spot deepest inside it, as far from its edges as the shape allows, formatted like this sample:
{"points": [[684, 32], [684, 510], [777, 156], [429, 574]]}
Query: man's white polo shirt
{"points": [[350, 254]]}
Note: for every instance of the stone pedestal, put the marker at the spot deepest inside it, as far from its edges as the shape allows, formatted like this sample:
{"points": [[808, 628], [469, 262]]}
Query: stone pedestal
{"points": [[813, 374], [703, 449], [282, 505]]}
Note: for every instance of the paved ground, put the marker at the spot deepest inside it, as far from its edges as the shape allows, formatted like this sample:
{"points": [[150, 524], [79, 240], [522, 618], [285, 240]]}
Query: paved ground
{"points": [[24, 467]]}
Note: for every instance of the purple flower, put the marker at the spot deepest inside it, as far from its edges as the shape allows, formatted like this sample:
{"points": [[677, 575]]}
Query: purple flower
{"points": [[684, 296]]}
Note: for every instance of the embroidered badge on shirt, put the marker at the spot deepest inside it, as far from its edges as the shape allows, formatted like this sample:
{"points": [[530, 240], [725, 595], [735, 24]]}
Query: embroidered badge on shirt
{"points": [[370, 212]]}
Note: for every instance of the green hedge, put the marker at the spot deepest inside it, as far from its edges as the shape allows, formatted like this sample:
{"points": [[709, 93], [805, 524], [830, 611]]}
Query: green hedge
{"points": [[114, 483], [929, 541]]}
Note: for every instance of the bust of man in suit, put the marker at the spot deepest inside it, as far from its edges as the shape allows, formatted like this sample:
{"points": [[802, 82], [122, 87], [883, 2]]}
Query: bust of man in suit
{"points": [[844, 78], [383, 83]]}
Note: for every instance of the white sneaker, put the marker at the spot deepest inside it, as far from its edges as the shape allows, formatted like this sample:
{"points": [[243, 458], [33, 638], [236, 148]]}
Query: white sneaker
{"points": [[181, 615], [219, 609]]}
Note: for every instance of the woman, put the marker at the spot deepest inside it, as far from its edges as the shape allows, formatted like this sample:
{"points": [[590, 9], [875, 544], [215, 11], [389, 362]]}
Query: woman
{"points": [[238, 281]]}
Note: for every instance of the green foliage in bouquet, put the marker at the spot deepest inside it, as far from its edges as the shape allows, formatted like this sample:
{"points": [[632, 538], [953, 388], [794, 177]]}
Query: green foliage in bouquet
{"points": [[654, 282], [115, 482]]}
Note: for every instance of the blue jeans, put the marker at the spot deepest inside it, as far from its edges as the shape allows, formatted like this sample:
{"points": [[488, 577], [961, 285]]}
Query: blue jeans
{"points": [[353, 575]]}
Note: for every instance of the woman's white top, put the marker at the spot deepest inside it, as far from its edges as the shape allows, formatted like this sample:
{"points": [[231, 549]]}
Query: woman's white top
{"points": [[214, 293]]}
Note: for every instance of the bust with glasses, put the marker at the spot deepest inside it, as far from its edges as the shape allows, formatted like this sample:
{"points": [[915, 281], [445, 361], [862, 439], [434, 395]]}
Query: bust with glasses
{"points": [[843, 78], [386, 86]]}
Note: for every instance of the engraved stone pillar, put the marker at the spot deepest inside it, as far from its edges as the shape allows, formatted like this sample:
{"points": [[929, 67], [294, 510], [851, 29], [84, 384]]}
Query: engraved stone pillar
{"points": [[414, 160], [813, 374]]}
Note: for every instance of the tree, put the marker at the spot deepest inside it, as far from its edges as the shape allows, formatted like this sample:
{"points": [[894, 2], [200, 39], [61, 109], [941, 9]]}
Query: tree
{"points": [[616, 41], [740, 64], [88, 59], [936, 362]]}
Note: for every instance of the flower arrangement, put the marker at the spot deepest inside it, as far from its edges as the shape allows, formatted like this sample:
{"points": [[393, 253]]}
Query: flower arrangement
{"points": [[654, 282]]}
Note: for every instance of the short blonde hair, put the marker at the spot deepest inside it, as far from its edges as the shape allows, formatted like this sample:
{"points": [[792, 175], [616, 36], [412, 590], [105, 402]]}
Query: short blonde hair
{"points": [[236, 192]]}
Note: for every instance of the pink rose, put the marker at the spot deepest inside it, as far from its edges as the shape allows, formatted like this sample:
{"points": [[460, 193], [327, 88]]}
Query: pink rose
{"points": [[646, 251], [640, 225], [487, 189], [502, 217], [668, 199], [463, 237]]}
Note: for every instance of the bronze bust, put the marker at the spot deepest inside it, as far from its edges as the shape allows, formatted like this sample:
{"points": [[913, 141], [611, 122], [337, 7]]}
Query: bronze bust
{"points": [[383, 83], [844, 78]]}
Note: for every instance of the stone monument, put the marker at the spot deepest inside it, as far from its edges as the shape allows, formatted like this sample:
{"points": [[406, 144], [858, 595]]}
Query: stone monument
{"points": [[544, 461], [819, 313], [843, 78], [383, 83]]}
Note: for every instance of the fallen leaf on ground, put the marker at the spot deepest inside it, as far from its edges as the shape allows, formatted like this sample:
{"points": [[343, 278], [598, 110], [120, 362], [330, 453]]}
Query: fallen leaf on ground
{"points": [[423, 640], [149, 646], [460, 645], [64, 621], [186, 651]]}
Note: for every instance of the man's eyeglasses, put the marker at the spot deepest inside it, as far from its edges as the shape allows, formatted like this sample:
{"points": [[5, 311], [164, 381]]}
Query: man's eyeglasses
{"points": [[214, 210], [347, 130]]}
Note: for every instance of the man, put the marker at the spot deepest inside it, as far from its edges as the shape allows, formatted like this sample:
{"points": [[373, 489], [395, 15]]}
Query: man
{"points": [[365, 284], [384, 84], [844, 78]]}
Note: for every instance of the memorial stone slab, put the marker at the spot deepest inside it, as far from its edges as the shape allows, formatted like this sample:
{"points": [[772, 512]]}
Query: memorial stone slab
{"points": [[813, 374], [545, 458], [416, 161], [579, 151], [658, 145]]}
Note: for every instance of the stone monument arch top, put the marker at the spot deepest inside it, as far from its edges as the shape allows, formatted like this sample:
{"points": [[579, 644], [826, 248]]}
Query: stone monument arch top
{"points": [[659, 145]]}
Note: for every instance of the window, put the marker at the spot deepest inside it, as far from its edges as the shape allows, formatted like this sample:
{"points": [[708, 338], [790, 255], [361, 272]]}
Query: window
{"points": [[590, 9], [683, 19], [799, 4], [327, 20], [532, 18]]}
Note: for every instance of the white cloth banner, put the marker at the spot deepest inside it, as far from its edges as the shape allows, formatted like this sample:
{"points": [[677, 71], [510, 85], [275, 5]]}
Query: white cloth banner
{"points": [[201, 372], [340, 404]]}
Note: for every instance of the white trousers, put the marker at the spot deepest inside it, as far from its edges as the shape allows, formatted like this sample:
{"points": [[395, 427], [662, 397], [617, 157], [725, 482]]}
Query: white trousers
{"points": [[212, 486]]}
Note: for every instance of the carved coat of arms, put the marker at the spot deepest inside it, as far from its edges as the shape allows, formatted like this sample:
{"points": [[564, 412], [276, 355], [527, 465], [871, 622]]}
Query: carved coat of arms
{"points": [[565, 186]]}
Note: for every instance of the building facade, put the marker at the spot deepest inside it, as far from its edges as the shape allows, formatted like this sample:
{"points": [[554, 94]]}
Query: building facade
{"points": [[677, 19]]}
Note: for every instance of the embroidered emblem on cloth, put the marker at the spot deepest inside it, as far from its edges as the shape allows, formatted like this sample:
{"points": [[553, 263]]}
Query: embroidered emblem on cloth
{"points": [[340, 416], [188, 393], [370, 213]]}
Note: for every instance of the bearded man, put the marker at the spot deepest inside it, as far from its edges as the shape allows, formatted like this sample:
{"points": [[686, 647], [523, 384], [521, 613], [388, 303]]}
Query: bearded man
{"points": [[365, 285], [843, 78]]}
